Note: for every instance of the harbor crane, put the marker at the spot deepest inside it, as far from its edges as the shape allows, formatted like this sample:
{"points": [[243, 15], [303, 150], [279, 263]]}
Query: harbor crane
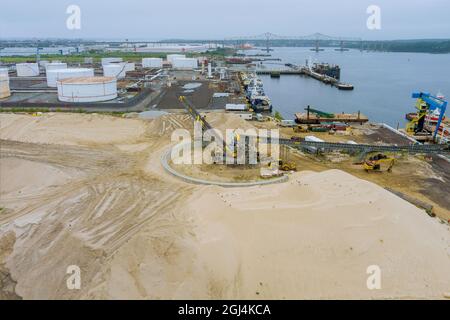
{"points": [[427, 104]]}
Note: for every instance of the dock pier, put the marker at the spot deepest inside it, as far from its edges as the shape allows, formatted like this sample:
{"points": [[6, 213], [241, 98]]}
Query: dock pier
{"points": [[304, 71]]}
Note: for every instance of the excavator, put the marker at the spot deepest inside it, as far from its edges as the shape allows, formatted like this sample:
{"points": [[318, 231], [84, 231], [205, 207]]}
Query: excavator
{"points": [[378, 162]]}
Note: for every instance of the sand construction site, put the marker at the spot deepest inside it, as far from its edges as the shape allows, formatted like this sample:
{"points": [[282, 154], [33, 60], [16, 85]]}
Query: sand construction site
{"points": [[89, 190]]}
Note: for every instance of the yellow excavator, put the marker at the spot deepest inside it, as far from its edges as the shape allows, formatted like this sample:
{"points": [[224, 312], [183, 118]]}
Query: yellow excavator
{"points": [[378, 163]]}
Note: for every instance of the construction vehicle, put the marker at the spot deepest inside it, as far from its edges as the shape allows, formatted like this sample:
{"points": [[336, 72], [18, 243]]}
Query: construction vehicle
{"points": [[378, 162], [287, 166], [301, 129]]}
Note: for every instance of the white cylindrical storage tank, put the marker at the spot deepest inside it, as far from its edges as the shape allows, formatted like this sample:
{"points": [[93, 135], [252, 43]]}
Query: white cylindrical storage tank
{"points": [[184, 63], [171, 57], [130, 66], [43, 63], [87, 89], [27, 69], [4, 86], [114, 70], [55, 66], [54, 75], [111, 60], [152, 63], [4, 72], [209, 70]]}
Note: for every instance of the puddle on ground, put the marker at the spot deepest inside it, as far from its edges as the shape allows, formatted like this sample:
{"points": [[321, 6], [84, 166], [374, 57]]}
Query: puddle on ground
{"points": [[192, 86]]}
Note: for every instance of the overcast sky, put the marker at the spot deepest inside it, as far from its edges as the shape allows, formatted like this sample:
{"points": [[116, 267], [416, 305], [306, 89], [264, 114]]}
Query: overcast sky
{"points": [[217, 19]]}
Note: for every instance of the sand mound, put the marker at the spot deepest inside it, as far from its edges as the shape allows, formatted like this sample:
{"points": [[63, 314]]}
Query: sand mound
{"points": [[315, 237], [69, 129], [223, 121]]}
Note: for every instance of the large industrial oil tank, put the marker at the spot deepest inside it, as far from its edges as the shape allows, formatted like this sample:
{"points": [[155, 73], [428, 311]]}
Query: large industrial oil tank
{"points": [[130, 66], [111, 60], [152, 62], [117, 70], [171, 57], [87, 89], [4, 72], [54, 75], [27, 69], [185, 63], [55, 66], [4, 86], [43, 63]]}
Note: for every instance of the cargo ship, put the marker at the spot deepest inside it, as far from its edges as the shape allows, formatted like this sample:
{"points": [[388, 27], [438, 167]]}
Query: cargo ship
{"points": [[254, 92]]}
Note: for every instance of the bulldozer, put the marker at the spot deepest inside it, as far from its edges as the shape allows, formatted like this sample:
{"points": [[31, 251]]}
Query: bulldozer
{"points": [[301, 129], [378, 163], [287, 166]]}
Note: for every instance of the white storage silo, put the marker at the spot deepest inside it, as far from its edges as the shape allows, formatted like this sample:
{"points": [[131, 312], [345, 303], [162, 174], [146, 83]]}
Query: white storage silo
{"points": [[111, 60], [55, 66], [87, 89], [54, 75], [116, 70], [152, 63], [27, 69], [171, 57], [4, 86], [185, 63], [130, 66], [4, 72], [43, 63]]}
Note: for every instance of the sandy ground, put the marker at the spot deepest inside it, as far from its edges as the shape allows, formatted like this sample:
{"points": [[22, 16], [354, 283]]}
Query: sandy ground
{"points": [[89, 190], [315, 237], [60, 128]]}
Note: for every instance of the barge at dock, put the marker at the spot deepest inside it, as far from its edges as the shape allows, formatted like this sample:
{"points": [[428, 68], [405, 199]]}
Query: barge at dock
{"points": [[313, 116]]}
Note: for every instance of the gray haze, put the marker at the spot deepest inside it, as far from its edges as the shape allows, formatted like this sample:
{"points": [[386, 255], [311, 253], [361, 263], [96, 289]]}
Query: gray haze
{"points": [[193, 19]]}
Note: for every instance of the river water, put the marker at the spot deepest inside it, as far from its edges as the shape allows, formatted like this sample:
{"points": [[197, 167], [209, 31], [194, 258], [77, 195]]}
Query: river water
{"points": [[383, 82]]}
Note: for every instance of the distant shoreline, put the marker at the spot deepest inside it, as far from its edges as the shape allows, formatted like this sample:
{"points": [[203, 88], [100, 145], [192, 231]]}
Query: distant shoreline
{"points": [[434, 46]]}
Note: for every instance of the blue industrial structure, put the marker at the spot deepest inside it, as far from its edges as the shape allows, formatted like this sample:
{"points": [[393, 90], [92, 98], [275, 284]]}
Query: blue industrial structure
{"points": [[432, 104]]}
